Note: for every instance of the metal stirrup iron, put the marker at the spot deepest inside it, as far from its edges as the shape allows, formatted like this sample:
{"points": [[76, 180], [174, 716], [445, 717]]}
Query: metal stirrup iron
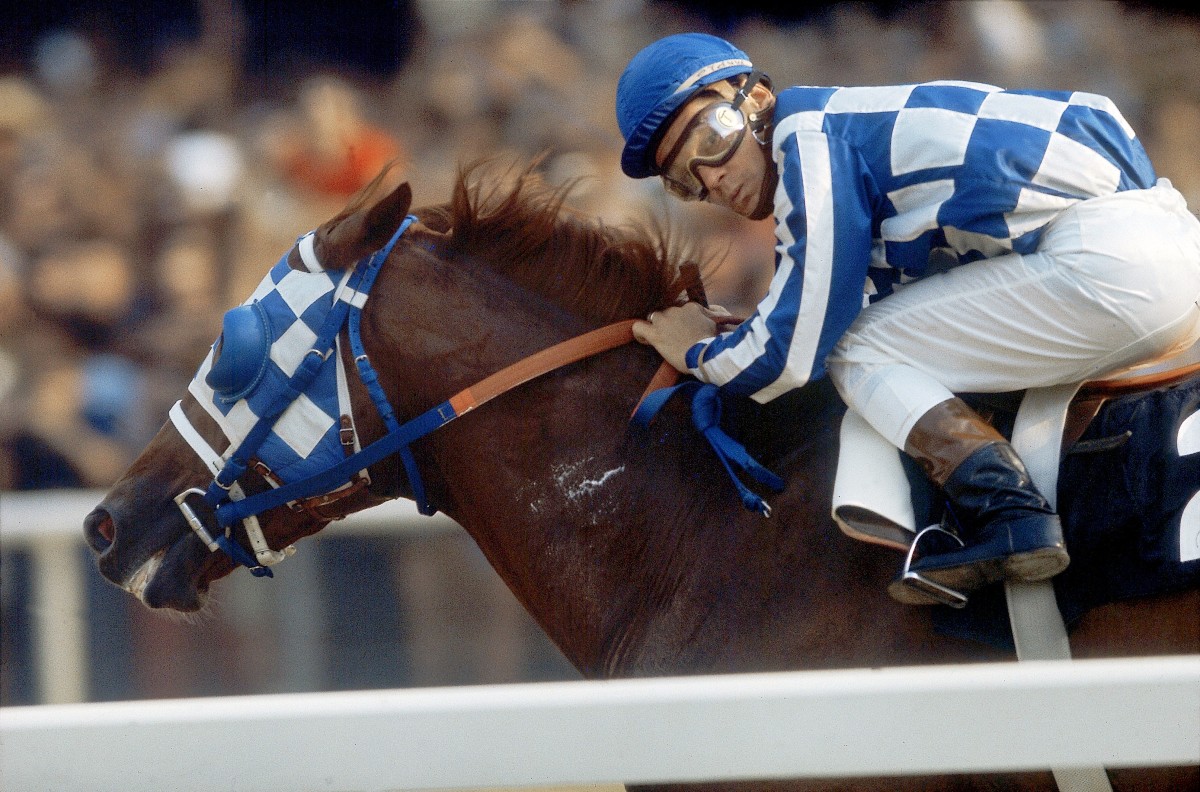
{"points": [[924, 586]]}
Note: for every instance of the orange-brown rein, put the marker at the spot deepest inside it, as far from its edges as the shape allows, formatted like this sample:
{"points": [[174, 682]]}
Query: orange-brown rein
{"points": [[555, 357]]}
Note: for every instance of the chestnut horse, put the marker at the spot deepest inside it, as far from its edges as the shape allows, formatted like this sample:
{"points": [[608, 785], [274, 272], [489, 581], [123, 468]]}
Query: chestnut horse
{"points": [[627, 545]]}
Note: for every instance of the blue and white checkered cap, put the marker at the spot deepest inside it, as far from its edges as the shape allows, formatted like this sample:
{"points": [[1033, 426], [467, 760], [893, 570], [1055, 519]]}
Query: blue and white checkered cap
{"points": [[659, 80]]}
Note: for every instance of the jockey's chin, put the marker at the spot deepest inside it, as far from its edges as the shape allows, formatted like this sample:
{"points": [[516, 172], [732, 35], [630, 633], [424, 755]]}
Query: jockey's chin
{"points": [[765, 208], [757, 204], [754, 197]]}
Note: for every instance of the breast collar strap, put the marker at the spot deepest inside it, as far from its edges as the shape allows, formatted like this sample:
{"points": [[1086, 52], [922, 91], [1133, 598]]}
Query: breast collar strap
{"points": [[226, 497]]}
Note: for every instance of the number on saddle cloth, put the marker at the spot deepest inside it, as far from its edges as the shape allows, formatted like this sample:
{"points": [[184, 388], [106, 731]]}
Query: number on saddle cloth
{"points": [[1130, 508]]}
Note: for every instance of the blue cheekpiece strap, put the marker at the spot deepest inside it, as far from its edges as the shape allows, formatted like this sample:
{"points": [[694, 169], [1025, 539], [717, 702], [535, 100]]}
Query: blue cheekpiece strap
{"points": [[370, 380], [706, 416]]}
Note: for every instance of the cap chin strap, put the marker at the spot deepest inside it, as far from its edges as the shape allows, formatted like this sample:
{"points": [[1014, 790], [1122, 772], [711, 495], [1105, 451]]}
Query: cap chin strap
{"points": [[758, 124], [766, 197]]}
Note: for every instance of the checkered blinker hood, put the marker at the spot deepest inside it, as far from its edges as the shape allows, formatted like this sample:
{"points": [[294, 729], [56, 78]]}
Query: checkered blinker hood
{"points": [[262, 343]]}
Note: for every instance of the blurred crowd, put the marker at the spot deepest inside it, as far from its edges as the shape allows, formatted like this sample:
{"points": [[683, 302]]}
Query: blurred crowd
{"points": [[138, 204], [142, 196]]}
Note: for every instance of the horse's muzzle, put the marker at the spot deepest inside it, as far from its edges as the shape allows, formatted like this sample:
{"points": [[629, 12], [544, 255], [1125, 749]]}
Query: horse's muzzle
{"points": [[98, 530], [163, 573]]}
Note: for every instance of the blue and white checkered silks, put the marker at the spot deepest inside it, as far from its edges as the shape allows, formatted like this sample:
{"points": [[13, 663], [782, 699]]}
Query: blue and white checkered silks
{"points": [[305, 439], [873, 180]]}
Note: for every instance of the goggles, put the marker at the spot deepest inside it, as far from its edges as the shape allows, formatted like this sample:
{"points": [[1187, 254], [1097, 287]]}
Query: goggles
{"points": [[710, 139]]}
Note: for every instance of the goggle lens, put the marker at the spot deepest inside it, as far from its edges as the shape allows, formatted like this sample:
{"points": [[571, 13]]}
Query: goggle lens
{"points": [[711, 138]]}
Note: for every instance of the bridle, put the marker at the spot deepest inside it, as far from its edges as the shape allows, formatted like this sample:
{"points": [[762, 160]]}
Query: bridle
{"points": [[229, 502], [231, 505]]}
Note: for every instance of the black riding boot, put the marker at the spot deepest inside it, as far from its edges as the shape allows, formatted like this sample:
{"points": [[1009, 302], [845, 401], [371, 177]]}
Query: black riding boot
{"points": [[1008, 529]]}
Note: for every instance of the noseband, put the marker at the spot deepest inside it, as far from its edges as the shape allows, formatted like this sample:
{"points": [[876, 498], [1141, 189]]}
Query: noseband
{"points": [[225, 496]]}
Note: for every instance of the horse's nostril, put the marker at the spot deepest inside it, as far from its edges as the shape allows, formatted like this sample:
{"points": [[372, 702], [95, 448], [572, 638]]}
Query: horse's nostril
{"points": [[99, 529]]}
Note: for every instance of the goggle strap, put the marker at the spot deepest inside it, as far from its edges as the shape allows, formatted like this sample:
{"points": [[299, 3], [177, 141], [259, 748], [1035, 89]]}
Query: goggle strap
{"points": [[743, 93]]}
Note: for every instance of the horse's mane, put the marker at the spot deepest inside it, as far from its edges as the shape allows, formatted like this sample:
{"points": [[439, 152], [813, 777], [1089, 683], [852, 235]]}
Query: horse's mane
{"points": [[520, 226]]}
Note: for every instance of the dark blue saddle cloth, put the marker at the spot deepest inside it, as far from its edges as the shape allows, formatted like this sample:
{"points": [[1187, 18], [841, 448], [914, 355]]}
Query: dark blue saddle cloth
{"points": [[1122, 492]]}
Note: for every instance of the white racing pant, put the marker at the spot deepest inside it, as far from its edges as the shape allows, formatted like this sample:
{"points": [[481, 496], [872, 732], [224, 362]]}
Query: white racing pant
{"points": [[1115, 282]]}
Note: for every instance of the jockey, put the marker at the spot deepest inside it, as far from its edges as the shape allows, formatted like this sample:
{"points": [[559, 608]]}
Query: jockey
{"points": [[948, 237]]}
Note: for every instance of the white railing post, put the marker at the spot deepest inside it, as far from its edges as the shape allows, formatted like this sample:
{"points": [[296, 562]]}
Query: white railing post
{"points": [[59, 605]]}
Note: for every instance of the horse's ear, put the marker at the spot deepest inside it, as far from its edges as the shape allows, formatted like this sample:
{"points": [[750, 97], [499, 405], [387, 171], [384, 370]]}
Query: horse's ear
{"points": [[384, 218]]}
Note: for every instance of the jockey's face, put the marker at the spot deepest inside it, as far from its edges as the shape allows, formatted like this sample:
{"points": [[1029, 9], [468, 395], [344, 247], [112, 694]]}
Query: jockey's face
{"points": [[703, 157]]}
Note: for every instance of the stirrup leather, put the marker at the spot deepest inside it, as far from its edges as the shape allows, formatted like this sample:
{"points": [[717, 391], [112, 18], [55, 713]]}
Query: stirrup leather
{"points": [[912, 588]]}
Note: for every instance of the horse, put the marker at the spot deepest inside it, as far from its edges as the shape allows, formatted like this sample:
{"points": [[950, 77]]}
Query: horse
{"points": [[625, 543]]}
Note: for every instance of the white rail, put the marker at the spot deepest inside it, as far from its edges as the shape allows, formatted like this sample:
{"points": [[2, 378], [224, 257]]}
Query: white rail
{"points": [[49, 525], [975, 718]]}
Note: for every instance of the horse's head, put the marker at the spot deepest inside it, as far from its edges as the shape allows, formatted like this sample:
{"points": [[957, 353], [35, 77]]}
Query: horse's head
{"points": [[478, 283], [141, 531]]}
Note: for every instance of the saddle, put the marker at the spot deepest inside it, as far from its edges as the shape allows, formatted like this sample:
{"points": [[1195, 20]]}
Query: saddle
{"points": [[1125, 455]]}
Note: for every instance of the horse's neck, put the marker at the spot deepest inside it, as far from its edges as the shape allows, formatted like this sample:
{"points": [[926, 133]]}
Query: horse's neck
{"points": [[629, 546], [544, 477], [573, 507]]}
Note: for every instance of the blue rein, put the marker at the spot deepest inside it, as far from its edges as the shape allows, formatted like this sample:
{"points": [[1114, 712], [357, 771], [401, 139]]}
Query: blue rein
{"points": [[706, 416]]}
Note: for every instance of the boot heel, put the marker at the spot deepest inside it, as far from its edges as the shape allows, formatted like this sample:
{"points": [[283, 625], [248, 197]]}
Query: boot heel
{"points": [[1036, 565]]}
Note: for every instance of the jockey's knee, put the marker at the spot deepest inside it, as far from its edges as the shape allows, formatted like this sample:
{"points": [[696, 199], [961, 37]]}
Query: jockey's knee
{"points": [[889, 394]]}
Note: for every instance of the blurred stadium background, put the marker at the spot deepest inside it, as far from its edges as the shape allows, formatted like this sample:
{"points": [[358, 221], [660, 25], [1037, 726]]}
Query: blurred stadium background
{"points": [[157, 157]]}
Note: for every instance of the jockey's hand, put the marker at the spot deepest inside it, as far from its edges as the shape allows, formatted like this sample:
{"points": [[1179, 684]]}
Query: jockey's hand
{"points": [[673, 331]]}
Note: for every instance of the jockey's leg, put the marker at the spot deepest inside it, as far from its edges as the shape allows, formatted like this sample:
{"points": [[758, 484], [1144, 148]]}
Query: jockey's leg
{"points": [[1009, 528], [1114, 282]]}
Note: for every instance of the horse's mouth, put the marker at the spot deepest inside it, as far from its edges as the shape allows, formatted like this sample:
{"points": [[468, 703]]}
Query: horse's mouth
{"points": [[136, 583], [175, 576]]}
